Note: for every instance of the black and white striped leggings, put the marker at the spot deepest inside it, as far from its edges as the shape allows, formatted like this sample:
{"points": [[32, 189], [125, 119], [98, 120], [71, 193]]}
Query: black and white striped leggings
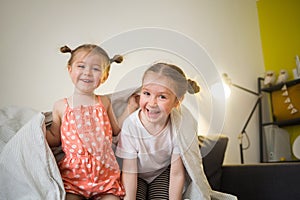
{"points": [[158, 189]]}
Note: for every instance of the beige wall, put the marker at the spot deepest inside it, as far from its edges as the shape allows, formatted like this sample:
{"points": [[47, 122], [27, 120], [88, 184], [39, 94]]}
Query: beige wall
{"points": [[33, 71]]}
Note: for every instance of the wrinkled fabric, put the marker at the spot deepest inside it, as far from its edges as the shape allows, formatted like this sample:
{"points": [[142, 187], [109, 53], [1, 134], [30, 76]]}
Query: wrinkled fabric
{"points": [[28, 169]]}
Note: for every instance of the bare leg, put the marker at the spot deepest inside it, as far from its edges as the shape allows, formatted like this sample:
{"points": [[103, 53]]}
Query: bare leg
{"points": [[70, 196], [110, 197]]}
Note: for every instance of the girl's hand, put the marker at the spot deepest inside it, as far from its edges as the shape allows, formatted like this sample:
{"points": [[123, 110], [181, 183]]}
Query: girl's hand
{"points": [[133, 103]]}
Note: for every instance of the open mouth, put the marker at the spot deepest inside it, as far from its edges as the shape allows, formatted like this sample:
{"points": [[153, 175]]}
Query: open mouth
{"points": [[152, 113], [86, 80]]}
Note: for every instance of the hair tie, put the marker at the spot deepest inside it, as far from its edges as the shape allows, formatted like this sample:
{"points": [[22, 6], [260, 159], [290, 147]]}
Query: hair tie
{"points": [[65, 49], [116, 58], [193, 86]]}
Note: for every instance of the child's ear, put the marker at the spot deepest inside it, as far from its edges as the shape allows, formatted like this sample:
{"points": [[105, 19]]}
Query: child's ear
{"points": [[69, 68], [178, 101]]}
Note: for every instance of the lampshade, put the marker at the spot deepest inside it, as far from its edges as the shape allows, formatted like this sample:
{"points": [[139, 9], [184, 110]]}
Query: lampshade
{"points": [[227, 83]]}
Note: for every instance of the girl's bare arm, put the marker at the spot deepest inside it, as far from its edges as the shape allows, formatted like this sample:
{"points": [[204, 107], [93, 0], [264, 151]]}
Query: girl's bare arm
{"points": [[53, 132], [129, 178], [177, 178], [112, 118]]}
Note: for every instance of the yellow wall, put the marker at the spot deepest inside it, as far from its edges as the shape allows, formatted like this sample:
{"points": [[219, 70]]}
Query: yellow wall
{"points": [[280, 33], [279, 22]]}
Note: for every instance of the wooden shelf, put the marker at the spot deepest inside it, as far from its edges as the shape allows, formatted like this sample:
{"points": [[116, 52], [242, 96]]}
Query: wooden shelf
{"points": [[280, 123], [279, 86]]}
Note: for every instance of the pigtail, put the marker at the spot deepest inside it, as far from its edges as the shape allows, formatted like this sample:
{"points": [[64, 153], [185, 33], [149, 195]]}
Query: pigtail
{"points": [[193, 87], [117, 59], [65, 49]]}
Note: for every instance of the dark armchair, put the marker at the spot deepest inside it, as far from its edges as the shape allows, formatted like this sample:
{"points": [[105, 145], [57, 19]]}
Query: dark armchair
{"points": [[262, 181]]}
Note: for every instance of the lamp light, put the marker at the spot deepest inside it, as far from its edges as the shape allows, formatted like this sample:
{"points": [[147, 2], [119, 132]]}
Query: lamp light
{"points": [[228, 82]]}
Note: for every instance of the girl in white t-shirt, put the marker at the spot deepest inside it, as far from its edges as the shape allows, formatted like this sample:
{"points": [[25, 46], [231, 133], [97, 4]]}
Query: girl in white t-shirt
{"points": [[152, 167]]}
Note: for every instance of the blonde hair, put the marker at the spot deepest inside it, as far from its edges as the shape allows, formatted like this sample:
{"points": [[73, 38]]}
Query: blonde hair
{"points": [[91, 48], [182, 84]]}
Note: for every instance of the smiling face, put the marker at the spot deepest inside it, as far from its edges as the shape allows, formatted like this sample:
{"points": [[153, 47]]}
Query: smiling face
{"points": [[157, 99], [87, 72]]}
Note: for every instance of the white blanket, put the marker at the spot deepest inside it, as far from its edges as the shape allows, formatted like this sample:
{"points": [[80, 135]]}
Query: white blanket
{"points": [[198, 186], [28, 168]]}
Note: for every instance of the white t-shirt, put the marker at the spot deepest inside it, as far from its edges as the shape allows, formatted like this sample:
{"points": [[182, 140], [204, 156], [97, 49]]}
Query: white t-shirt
{"points": [[153, 153]]}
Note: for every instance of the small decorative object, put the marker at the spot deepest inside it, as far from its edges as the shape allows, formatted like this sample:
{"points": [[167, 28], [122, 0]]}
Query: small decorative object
{"points": [[269, 78], [284, 87], [297, 64], [285, 93], [287, 100], [296, 71], [282, 77], [290, 106], [296, 147], [294, 110]]}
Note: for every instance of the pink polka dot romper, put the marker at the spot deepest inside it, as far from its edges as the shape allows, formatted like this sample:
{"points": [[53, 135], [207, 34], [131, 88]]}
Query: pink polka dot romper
{"points": [[89, 167]]}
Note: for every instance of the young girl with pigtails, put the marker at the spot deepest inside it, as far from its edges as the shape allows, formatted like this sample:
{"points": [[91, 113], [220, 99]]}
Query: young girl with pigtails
{"points": [[157, 139], [84, 124]]}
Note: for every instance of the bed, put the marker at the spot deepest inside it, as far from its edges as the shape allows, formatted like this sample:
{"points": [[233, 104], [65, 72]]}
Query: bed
{"points": [[28, 166]]}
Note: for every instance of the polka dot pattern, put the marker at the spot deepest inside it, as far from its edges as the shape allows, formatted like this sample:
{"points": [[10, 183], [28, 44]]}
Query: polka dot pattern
{"points": [[89, 167]]}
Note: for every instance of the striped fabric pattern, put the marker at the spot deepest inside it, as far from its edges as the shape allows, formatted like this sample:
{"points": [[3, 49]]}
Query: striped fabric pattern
{"points": [[158, 189]]}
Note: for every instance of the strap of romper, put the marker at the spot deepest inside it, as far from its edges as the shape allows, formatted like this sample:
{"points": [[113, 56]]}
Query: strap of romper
{"points": [[99, 100], [66, 102]]}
